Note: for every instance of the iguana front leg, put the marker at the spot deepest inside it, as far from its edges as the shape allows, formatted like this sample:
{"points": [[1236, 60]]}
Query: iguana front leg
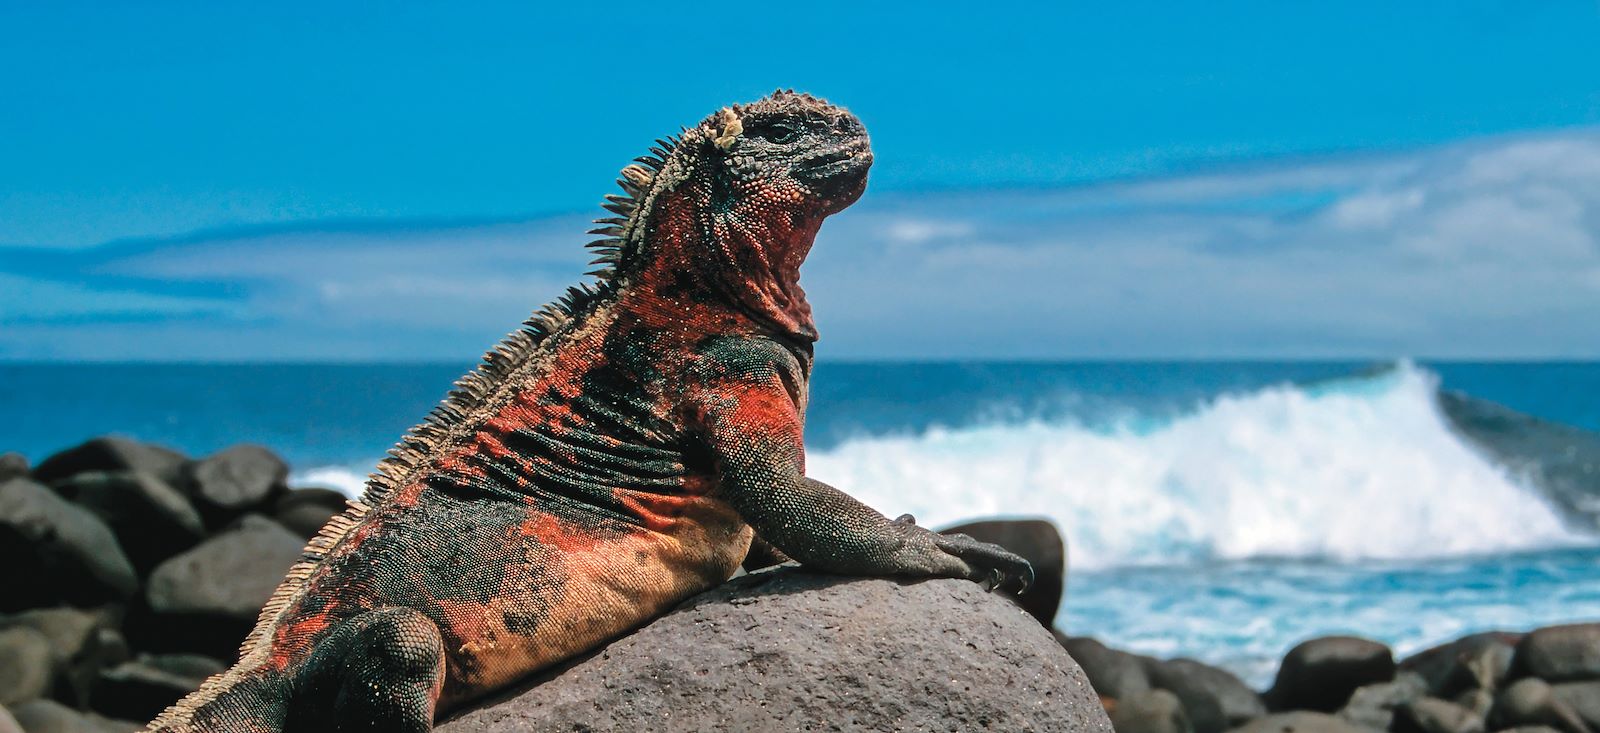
{"points": [[752, 425]]}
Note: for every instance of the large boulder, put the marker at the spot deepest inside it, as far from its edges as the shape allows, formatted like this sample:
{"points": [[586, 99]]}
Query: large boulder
{"points": [[792, 650], [1582, 697], [81, 642], [240, 479], [56, 552], [1560, 653], [1321, 674], [49, 716], [1373, 706], [113, 454], [304, 511], [1432, 715], [1215, 699], [206, 599], [1040, 543], [1531, 701], [1473, 661], [13, 465], [1114, 674], [152, 521], [26, 665]]}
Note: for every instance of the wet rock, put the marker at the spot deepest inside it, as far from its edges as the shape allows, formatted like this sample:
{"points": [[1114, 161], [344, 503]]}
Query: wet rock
{"points": [[1114, 674], [152, 521], [1459, 665], [304, 511], [56, 552], [1560, 653], [206, 599], [1373, 706], [49, 716], [1040, 543], [1215, 699], [1151, 711], [26, 666], [1531, 701], [1432, 715], [1321, 674], [140, 690], [1299, 722], [232, 482], [786, 649], [12, 465], [114, 454]]}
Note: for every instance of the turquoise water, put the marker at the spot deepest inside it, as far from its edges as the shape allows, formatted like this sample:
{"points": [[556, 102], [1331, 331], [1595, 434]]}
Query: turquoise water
{"points": [[1217, 510]]}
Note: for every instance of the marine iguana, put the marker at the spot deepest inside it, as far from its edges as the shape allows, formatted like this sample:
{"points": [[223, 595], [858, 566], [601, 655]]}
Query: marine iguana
{"points": [[604, 462]]}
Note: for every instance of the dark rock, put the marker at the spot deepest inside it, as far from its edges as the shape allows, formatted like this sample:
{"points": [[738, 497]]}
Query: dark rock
{"points": [[232, 482], [13, 465], [113, 454], [152, 521], [206, 599], [1582, 697], [1372, 706], [1479, 701], [1215, 699], [1038, 541], [1458, 665], [26, 665], [76, 648], [1114, 674], [49, 716], [304, 511], [56, 552], [1151, 711], [1299, 722], [786, 649], [141, 689], [1531, 701], [1560, 653], [1432, 715], [1321, 674]]}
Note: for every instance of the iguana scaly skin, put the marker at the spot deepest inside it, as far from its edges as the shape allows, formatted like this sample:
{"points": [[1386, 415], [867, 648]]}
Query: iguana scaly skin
{"points": [[605, 462]]}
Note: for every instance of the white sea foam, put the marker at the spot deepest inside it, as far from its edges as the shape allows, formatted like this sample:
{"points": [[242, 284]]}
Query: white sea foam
{"points": [[1364, 468], [1360, 469]]}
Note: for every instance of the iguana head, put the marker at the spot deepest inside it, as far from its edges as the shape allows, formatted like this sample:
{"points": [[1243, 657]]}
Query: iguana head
{"points": [[732, 206]]}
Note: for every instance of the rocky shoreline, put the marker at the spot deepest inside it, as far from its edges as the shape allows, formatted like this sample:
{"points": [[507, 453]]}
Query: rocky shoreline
{"points": [[133, 572]]}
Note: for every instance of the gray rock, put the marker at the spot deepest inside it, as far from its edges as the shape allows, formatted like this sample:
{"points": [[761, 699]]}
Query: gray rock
{"points": [[240, 479], [1531, 701], [26, 666], [1582, 697], [1321, 674], [231, 574], [304, 511], [1151, 711], [1432, 715], [1462, 664], [140, 690], [206, 599], [1114, 674], [56, 552], [49, 716], [1372, 706], [1215, 699], [1040, 543], [786, 649], [77, 648], [1560, 653], [113, 454], [1299, 722], [152, 521], [9, 724], [13, 465]]}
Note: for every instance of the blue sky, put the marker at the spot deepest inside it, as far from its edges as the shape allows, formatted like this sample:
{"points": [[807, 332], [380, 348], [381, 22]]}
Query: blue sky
{"points": [[220, 180]]}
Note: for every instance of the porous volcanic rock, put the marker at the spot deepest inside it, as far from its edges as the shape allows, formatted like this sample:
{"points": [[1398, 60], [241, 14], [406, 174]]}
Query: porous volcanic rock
{"points": [[791, 650]]}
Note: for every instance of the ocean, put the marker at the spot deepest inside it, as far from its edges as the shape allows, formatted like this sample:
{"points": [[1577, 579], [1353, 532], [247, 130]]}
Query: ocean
{"points": [[1215, 510]]}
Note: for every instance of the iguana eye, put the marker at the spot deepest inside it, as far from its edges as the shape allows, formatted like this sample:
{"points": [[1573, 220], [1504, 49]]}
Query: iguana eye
{"points": [[776, 134]]}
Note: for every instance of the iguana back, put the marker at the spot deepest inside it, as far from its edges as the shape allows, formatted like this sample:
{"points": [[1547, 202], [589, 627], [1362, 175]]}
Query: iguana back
{"points": [[605, 461]]}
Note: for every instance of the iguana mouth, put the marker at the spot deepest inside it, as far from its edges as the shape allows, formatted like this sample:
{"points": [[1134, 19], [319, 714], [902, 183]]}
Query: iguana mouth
{"points": [[837, 170]]}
